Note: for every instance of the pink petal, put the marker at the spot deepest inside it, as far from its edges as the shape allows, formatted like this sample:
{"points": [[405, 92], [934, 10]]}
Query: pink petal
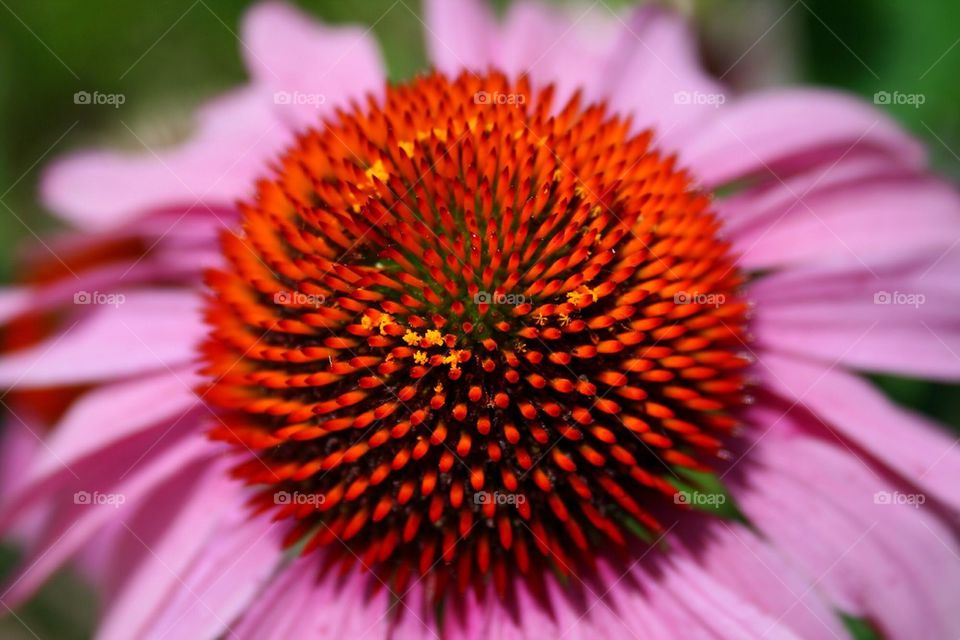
{"points": [[747, 565], [138, 420], [275, 614], [118, 411], [159, 543], [817, 502], [658, 78], [308, 68], [919, 450], [460, 34], [569, 49], [859, 223], [13, 301], [863, 319], [142, 332], [222, 580], [74, 521], [235, 136], [768, 130]]}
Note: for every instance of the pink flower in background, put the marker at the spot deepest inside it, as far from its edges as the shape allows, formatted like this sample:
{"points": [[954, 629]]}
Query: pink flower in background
{"points": [[339, 337]]}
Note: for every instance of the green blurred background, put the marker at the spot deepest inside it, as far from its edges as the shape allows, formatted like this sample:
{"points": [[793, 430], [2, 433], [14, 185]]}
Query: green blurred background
{"points": [[166, 57]]}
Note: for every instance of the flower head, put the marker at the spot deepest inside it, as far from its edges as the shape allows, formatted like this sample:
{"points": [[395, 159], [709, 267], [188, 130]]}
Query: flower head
{"points": [[560, 337]]}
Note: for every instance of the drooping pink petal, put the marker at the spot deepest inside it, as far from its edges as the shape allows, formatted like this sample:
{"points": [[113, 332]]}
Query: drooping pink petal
{"points": [[774, 129], [141, 332], [235, 136], [13, 301], [159, 542], [860, 222], [842, 524], [863, 318], [307, 68], [921, 452], [750, 567], [137, 424], [210, 588], [78, 516], [119, 411], [276, 612]]}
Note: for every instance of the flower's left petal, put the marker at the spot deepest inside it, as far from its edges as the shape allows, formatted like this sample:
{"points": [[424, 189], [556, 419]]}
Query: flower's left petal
{"points": [[13, 302], [235, 137], [920, 451], [75, 520], [307, 68], [142, 332], [160, 541]]}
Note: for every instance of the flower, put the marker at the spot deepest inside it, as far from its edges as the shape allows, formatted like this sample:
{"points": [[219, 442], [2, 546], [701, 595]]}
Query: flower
{"points": [[557, 339]]}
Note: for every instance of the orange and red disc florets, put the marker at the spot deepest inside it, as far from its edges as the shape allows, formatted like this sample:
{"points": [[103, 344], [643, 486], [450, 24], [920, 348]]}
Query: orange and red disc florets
{"points": [[465, 330]]}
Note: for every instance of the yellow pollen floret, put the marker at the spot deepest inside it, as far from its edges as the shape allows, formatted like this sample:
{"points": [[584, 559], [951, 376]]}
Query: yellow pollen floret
{"points": [[420, 357], [452, 359], [434, 337], [411, 338], [378, 171]]}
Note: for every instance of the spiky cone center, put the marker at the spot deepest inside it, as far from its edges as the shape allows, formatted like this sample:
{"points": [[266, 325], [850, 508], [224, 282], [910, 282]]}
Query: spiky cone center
{"points": [[465, 331]]}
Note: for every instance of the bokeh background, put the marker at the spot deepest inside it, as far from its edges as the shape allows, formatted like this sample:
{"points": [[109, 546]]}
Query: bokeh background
{"points": [[165, 57]]}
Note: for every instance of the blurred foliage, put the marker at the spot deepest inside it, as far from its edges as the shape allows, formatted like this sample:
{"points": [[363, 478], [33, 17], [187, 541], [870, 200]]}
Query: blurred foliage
{"points": [[166, 57]]}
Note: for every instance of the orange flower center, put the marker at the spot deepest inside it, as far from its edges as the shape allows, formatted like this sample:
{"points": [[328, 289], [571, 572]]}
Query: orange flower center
{"points": [[466, 330]]}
